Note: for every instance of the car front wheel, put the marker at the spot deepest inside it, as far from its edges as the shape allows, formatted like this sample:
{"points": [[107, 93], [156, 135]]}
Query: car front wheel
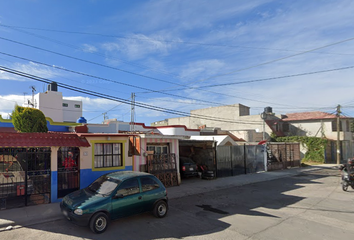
{"points": [[99, 223], [160, 209]]}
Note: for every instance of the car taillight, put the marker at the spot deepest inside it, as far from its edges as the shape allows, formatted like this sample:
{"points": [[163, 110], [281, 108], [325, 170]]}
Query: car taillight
{"points": [[183, 168]]}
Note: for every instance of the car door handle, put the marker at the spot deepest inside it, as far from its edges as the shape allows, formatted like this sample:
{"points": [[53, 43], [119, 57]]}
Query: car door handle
{"points": [[140, 197]]}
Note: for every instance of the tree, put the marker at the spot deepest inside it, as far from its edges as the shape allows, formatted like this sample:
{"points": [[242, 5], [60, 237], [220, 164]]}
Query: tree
{"points": [[27, 119]]}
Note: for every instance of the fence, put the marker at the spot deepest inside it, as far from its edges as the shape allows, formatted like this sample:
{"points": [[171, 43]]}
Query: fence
{"points": [[164, 167], [24, 177], [236, 160], [283, 155]]}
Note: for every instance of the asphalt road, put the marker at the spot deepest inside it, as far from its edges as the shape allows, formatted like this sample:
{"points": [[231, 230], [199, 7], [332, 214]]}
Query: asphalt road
{"points": [[309, 206]]}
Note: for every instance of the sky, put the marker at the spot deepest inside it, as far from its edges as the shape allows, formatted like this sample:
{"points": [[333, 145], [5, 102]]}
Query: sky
{"points": [[179, 55]]}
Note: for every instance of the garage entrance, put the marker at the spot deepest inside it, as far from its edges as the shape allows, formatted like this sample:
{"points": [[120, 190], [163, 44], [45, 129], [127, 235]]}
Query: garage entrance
{"points": [[202, 153]]}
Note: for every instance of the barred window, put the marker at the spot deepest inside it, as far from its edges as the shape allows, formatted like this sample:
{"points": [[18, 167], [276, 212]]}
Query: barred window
{"points": [[108, 155]]}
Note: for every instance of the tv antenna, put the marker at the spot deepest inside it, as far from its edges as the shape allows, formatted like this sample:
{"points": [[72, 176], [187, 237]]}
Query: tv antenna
{"points": [[33, 90]]}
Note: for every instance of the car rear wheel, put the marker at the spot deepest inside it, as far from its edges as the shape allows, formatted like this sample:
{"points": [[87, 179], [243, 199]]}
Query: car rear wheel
{"points": [[99, 222], [160, 209]]}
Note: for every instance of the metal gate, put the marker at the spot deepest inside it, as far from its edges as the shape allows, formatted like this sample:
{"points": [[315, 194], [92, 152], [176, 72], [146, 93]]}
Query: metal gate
{"points": [[236, 160], [283, 155], [164, 167], [24, 177], [68, 170]]}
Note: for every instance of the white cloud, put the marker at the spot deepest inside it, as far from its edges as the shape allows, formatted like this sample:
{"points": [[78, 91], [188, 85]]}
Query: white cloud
{"points": [[138, 46], [8, 103], [29, 68], [198, 70], [89, 48]]}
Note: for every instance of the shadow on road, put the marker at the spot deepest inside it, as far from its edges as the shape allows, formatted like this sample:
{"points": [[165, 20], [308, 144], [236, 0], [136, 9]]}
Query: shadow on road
{"points": [[202, 213]]}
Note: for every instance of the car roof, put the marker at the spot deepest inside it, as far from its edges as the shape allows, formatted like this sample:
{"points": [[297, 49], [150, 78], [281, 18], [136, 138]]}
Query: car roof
{"points": [[123, 175]]}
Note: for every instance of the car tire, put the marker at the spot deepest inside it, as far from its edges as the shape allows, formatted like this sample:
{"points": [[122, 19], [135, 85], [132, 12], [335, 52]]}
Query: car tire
{"points": [[160, 209], [99, 222]]}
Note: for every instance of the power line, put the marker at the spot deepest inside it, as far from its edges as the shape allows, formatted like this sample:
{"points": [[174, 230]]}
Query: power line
{"points": [[106, 79], [108, 97], [90, 62], [168, 81], [160, 40], [95, 53], [146, 89], [278, 59], [271, 78]]}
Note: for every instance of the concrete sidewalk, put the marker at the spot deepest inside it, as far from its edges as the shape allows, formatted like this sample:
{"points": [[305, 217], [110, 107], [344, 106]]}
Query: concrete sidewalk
{"points": [[27, 216]]}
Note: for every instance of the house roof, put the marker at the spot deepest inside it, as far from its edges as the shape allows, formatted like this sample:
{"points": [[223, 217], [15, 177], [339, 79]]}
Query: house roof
{"points": [[220, 139], [308, 116], [8, 129], [42, 140]]}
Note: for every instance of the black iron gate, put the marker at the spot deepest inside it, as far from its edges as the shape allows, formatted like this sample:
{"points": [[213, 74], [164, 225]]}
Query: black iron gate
{"points": [[236, 160], [164, 167], [68, 170], [24, 177]]}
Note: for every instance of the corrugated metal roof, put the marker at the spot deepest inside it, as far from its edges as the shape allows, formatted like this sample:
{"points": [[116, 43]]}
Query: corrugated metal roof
{"points": [[42, 140]]}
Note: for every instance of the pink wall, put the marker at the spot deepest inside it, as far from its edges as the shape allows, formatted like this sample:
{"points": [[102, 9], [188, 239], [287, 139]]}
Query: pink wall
{"points": [[141, 160]]}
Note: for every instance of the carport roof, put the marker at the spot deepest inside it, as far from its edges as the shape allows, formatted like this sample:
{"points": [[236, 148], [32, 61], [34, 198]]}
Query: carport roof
{"points": [[42, 140]]}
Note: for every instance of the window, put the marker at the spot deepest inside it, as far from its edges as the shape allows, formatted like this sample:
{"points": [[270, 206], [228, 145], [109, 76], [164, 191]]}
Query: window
{"points": [[77, 106], [286, 127], [158, 149], [334, 126], [65, 105], [129, 187], [108, 155], [148, 184]]}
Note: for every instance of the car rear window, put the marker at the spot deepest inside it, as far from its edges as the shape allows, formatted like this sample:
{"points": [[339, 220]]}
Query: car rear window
{"points": [[148, 184], [187, 160]]}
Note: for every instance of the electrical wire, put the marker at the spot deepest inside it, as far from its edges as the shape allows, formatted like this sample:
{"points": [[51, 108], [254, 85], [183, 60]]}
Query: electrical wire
{"points": [[106, 79], [276, 60], [146, 89], [95, 53], [179, 84], [164, 41], [108, 97]]}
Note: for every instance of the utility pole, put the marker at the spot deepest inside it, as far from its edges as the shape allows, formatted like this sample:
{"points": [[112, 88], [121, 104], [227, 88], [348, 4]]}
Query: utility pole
{"points": [[338, 133], [264, 117], [132, 117]]}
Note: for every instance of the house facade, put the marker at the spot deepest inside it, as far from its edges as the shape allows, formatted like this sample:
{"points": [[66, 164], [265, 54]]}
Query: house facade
{"points": [[234, 118], [324, 125]]}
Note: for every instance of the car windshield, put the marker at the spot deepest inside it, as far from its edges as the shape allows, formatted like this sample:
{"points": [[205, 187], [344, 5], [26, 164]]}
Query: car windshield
{"points": [[104, 185]]}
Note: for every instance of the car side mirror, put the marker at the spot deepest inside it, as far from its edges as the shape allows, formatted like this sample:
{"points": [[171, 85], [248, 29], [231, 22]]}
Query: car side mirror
{"points": [[117, 196]]}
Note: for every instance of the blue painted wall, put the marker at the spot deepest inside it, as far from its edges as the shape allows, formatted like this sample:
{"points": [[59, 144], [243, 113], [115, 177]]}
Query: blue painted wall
{"points": [[87, 176], [53, 128]]}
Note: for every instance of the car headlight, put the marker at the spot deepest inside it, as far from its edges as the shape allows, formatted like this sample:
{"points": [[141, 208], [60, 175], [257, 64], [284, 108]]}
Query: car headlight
{"points": [[78, 211]]}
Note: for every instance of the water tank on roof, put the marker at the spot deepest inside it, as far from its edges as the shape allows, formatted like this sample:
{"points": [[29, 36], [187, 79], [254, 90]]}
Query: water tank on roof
{"points": [[53, 86], [268, 110], [81, 120]]}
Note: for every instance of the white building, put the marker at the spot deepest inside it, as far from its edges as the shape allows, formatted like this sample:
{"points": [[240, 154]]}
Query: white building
{"points": [[54, 106]]}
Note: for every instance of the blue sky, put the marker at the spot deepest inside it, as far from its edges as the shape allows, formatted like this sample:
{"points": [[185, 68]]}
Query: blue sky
{"points": [[181, 55]]}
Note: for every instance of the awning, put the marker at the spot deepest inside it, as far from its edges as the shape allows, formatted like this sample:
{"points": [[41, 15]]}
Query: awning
{"points": [[42, 140]]}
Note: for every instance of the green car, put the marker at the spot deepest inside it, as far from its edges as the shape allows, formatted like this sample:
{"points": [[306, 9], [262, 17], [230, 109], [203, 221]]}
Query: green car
{"points": [[115, 195]]}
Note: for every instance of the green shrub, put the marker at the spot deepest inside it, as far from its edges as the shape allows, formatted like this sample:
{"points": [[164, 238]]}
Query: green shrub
{"points": [[27, 119], [315, 147]]}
